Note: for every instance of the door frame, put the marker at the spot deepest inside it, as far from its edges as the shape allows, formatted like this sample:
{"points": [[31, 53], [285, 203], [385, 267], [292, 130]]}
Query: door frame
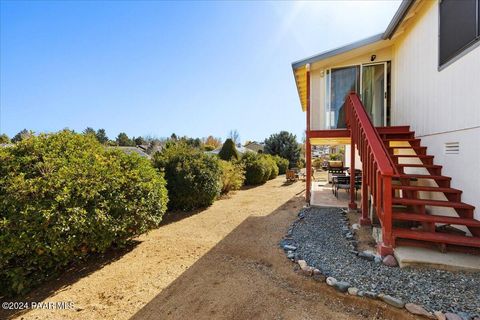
{"points": [[385, 86]]}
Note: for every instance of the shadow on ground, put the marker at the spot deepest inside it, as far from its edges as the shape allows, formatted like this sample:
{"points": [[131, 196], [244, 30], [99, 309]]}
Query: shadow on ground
{"points": [[72, 274], [246, 276]]}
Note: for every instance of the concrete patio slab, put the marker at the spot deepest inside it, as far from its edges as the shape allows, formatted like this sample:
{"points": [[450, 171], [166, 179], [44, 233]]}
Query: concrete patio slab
{"points": [[422, 257]]}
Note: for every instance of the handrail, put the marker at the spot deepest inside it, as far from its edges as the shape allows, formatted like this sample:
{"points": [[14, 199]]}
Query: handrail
{"points": [[380, 153], [378, 167]]}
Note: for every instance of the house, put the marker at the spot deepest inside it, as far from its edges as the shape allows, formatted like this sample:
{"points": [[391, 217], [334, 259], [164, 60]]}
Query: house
{"points": [[406, 103], [255, 146], [241, 150]]}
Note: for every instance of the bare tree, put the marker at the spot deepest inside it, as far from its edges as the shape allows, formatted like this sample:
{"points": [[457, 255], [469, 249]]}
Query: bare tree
{"points": [[235, 136]]}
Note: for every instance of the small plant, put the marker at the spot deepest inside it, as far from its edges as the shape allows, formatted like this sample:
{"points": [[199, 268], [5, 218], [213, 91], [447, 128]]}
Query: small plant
{"points": [[335, 156], [233, 176]]}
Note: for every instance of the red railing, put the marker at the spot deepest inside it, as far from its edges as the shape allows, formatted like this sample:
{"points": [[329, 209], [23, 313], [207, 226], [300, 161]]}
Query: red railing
{"points": [[377, 166]]}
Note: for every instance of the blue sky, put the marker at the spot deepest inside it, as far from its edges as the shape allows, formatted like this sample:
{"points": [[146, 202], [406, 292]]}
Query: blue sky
{"points": [[153, 68]]}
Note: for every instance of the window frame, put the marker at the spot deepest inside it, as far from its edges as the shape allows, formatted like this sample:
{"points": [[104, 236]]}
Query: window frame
{"points": [[466, 48]]}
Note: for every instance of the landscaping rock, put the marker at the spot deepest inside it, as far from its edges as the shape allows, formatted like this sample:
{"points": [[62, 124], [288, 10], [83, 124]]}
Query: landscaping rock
{"points": [[321, 243], [377, 259], [366, 255], [290, 255], [306, 270], [353, 291], [342, 286], [439, 315], [390, 261], [464, 315], [398, 303], [289, 247], [331, 281], [355, 226], [371, 295], [452, 316], [418, 310]]}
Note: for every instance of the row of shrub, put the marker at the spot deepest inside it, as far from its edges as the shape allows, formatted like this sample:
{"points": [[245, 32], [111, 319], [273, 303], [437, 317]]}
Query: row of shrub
{"points": [[64, 195]]}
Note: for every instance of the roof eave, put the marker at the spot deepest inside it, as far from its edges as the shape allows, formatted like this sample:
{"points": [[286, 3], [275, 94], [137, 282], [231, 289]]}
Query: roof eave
{"points": [[397, 18], [337, 51]]}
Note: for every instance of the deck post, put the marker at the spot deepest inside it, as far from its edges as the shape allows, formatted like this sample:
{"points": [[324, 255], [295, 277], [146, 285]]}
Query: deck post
{"points": [[386, 247], [352, 205], [364, 219], [308, 147]]}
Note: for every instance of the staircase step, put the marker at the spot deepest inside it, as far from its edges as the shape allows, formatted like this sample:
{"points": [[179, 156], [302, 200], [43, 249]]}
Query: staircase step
{"points": [[402, 140], [421, 156], [395, 129], [410, 216], [422, 176], [425, 188], [435, 203], [436, 237], [422, 150], [418, 165]]}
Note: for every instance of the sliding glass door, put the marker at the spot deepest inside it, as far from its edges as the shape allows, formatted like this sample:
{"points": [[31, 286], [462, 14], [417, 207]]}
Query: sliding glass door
{"points": [[370, 81], [340, 82], [374, 92]]}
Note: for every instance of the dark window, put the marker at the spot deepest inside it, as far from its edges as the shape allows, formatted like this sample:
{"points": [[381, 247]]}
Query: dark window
{"points": [[459, 27]]}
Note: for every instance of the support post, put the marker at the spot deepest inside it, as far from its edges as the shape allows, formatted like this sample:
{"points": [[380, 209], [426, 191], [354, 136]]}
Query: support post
{"points": [[308, 164], [352, 205], [386, 247], [308, 148], [364, 219]]}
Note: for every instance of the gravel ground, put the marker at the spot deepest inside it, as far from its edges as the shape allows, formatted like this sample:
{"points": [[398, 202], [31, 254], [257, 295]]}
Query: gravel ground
{"points": [[320, 241]]}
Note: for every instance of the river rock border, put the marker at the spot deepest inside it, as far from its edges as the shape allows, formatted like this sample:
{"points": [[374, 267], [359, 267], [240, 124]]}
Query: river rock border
{"points": [[345, 287]]}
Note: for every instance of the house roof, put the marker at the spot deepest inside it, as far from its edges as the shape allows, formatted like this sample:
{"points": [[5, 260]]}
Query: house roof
{"points": [[300, 67]]}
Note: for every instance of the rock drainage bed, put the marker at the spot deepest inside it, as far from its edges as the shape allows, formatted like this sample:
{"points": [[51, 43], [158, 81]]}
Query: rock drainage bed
{"points": [[323, 244]]}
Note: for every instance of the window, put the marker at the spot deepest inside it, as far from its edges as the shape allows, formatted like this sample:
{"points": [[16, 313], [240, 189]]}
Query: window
{"points": [[459, 27]]}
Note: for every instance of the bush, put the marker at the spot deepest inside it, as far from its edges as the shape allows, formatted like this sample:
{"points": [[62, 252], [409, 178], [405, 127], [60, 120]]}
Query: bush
{"points": [[228, 151], [63, 196], [259, 168], [282, 164], [193, 177], [272, 166], [233, 176]]}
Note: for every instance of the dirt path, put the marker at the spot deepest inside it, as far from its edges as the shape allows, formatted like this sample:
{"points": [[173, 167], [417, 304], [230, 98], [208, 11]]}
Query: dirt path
{"points": [[222, 263]]}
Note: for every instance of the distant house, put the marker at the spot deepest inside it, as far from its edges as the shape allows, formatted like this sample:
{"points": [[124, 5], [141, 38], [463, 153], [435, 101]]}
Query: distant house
{"points": [[255, 146], [241, 150], [130, 150]]}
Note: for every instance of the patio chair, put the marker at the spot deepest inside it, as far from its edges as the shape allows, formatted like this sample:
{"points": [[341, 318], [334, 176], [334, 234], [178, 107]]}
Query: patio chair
{"points": [[291, 175]]}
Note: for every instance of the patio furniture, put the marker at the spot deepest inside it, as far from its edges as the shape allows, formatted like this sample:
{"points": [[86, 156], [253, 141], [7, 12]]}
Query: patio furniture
{"points": [[291, 175], [343, 182]]}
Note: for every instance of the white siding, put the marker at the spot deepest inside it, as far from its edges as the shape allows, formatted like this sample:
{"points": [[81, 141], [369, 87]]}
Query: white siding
{"points": [[429, 100], [440, 106]]}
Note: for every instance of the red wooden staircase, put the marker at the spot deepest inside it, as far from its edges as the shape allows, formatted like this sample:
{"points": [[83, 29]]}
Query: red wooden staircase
{"points": [[412, 199]]}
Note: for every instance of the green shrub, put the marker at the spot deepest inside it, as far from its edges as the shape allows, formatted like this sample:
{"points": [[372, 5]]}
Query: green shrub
{"points": [[228, 151], [282, 164], [63, 196], [193, 177], [272, 166], [233, 176], [259, 168]]}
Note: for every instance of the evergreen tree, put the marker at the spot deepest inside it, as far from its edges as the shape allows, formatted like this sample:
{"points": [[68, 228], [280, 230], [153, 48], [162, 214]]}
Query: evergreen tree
{"points": [[228, 151]]}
